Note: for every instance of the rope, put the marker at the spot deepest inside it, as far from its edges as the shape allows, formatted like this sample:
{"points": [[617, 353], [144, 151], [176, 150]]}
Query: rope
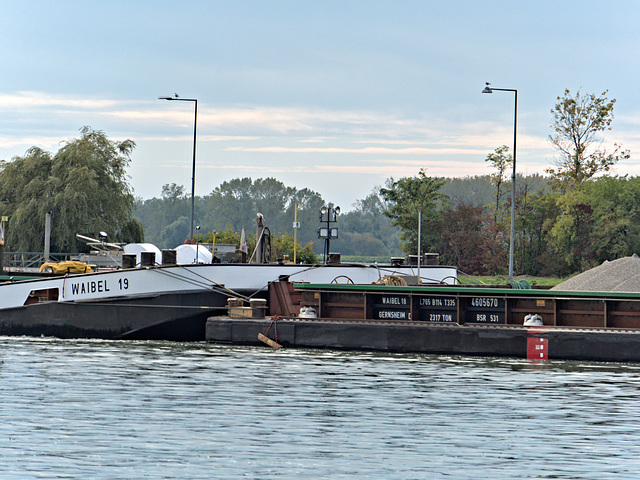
{"points": [[392, 281], [274, 319], [203, 284], [64, 281], [524, 284], [514, 284]]}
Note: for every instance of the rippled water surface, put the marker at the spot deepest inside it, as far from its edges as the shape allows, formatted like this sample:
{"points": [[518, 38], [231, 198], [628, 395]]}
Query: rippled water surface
{"points": [[132, 410]]}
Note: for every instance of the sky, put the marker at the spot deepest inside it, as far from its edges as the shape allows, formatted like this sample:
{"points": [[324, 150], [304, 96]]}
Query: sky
{"points": [[334, 96]]}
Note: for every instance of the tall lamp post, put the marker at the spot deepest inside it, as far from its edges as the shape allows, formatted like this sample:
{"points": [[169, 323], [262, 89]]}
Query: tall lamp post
{"points": [[193, 168], [328, 214], [489, 89]]}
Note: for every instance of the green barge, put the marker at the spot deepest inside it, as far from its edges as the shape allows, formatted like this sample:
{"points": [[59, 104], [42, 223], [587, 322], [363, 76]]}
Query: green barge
{"points": [[603, 326]]}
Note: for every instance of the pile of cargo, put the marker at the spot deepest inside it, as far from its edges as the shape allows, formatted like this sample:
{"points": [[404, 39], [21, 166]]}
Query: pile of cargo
{"points": [[621, 275]]}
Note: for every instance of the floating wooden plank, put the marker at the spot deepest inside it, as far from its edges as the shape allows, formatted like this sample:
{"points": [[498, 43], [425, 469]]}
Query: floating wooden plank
{"points": [[268, 341]]}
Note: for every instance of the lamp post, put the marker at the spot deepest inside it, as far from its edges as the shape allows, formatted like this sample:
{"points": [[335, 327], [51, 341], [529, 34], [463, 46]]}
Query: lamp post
{"points": [[193, 168], [328, 214], [489, 89]]}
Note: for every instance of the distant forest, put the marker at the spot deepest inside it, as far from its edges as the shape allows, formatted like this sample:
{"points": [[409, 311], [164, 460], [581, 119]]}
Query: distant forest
{"points": [[364, 230], [558, 231]]}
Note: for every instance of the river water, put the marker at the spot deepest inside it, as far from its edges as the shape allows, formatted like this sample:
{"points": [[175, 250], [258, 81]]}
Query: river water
{"points": [[136, 410]]}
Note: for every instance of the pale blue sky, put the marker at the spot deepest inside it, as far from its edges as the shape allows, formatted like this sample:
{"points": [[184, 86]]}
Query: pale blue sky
{"points": [[335, 96]]}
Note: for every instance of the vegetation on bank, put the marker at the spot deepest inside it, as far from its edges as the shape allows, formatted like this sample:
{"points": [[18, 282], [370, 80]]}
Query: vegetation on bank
{"points": [[571, 220], [568, 221], [279, 247], [543, 282]]}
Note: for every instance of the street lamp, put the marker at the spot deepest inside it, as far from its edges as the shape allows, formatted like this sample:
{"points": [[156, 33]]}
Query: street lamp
{"points": [[489, 89], [328, 214], [193, 169]]}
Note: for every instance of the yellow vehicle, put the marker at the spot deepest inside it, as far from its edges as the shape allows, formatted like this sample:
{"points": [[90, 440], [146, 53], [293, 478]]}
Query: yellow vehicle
{"points": [[65, 267]]}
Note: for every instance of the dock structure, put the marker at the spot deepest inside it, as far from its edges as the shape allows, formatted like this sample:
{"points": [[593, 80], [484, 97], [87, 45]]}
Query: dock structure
{"points": [[446, 320]]}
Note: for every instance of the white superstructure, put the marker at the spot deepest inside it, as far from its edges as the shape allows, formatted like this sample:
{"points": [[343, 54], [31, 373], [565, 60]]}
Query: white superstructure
{"points": [[227, 278]]}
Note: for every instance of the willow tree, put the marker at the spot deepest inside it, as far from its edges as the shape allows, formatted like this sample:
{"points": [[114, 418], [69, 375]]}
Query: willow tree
{"points": [[578, 125], [84, 186]]}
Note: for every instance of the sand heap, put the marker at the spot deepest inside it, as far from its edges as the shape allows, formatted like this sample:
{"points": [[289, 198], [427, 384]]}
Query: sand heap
{"points": [[621, 275]]}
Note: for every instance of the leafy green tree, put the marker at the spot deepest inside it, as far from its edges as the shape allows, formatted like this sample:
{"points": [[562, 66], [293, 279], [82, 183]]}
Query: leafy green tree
{"points": [[501, 161], [308, 203], [578, 125], [471, 242], [84, 185], [173, 234], [236, 202], [598, 221], [366, 230], [477, 191], [132, 231], [281, 245], [616, 204], [408, 196], [572, 231], [459, 244], [229, 236], [284, 246], [535, 219], [176, 203], [160, 214], [147, 212], [363, 244]]}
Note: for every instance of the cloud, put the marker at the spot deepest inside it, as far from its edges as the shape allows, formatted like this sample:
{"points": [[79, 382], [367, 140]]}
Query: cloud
{"points": [[364, 150], [44, 142], [36, 100], [267, 139], [310, 125]]}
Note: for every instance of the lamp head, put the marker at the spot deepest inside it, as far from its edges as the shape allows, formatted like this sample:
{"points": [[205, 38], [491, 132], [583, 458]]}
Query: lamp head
{"points": [[487, 89]]}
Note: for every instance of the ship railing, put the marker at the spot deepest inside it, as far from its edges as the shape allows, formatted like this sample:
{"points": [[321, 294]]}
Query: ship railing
{"points": [[31, 261]]}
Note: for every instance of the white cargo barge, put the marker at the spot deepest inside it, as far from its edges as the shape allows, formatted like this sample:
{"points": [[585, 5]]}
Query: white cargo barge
{"points": [[165, 302]]}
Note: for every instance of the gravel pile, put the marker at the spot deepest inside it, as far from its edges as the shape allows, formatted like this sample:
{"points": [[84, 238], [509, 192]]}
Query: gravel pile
{"points": [[621, 275]]}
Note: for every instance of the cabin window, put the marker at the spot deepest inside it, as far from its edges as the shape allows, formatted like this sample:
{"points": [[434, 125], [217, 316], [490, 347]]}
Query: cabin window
{"points": [[43, 295]]}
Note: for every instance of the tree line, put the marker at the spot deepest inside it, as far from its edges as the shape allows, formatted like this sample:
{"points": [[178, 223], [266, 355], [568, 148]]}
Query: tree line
{"points": [[574, 217], [234, 205]]}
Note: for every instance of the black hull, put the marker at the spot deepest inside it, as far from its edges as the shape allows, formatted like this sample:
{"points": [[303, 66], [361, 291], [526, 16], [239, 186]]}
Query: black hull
{"points": [[417, 337], [178, 316]]}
